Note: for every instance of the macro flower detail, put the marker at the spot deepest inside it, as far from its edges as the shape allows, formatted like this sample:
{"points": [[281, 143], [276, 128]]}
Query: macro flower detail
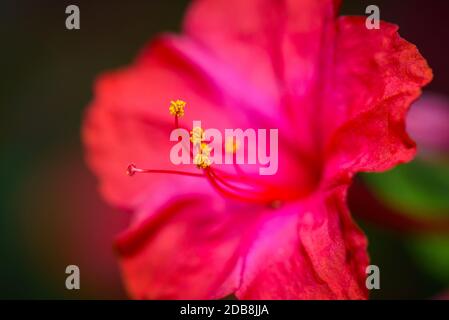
{"points": [[197, 136], [231, 145], [202, 160], [202, 157], [177, 108], [337, 92]]}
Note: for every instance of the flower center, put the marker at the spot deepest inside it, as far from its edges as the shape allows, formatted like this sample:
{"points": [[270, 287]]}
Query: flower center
{"points": [[238, 185]]}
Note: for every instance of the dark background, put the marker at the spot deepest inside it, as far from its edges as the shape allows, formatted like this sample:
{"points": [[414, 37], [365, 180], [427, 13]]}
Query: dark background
{"points": [[50, 213]]}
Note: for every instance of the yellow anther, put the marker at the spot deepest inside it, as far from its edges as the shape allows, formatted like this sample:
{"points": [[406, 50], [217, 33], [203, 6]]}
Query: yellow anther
{"points": [[177, 108], [231, 145], [202, 161], [197, 135], [205, 149]]}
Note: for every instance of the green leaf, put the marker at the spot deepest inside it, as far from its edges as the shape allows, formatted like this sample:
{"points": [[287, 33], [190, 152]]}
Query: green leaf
{"points": [[432, 254], [421, 189], [418, 188]]}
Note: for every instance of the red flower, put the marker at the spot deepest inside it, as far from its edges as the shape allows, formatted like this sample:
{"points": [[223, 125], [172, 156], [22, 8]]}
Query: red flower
{"points": [[337, 92]]}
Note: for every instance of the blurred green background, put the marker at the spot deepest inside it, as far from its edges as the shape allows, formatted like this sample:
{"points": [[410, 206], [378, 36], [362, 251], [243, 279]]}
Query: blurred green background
{"points": [[50, 213]]}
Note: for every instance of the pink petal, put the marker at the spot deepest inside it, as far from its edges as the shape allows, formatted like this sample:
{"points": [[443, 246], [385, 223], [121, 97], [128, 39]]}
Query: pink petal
{"points": [[203, 248], [278, 47], [187, 249], [311, 252], [128, 121], [377, 76], [337, 92], [428, 123]]}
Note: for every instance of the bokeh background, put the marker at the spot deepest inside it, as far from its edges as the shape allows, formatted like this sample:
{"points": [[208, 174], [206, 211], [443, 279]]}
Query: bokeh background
{"points": [[51, 215]]}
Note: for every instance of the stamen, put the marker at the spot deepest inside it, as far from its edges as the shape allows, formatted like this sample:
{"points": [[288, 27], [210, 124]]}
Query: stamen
{"points": [[231, 145], [260, 187], [202, 161], [231, 186], [235, 195], [197, 136], [177, 108], [238, 186], [205, 149]]}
